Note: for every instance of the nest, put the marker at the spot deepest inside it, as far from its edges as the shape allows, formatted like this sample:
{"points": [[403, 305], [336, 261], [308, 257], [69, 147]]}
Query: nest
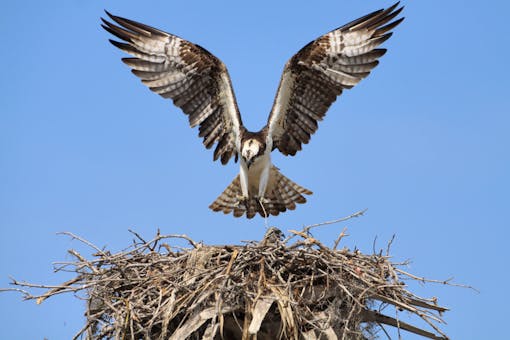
{"points": [[294, 288]]}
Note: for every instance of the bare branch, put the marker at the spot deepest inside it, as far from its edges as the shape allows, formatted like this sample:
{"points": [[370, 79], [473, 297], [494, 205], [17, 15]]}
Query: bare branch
{"points": [[271, 287], [307, 229]]}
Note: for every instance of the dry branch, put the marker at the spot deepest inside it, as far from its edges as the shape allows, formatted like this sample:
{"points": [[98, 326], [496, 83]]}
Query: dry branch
{"points": [[261, 290]]}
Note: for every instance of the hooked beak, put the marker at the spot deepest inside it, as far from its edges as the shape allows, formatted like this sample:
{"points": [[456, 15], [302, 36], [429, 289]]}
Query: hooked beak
{"points": [[248, 159], [249, 162]]}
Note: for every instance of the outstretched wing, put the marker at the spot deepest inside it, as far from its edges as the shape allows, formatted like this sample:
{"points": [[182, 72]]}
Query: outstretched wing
{"points": [[320, 71], [193, 78]]}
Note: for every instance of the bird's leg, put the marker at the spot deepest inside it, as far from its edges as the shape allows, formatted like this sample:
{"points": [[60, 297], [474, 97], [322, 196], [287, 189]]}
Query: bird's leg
{"points": [[243, 178], [264, 179], [241, 200]]}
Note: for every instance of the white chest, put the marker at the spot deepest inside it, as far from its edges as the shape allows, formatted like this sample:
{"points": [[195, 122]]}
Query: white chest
{"points": [[255, 171]]}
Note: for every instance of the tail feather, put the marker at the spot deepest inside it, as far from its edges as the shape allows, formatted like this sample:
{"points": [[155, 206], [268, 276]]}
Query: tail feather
{"points": [[282, 194]]}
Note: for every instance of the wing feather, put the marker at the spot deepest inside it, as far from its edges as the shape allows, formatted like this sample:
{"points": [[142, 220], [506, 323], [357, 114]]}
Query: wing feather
{"points": [[192, 77], [315, 76]]}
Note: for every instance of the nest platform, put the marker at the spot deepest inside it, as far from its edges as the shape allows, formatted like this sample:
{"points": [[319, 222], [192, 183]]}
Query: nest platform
{"points": [[293, 288]]}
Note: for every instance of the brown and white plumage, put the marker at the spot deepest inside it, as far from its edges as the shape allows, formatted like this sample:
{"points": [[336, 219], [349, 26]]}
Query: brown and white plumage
{"points": [[193, 78], [199, 84], [314, 77], [282, 195]]}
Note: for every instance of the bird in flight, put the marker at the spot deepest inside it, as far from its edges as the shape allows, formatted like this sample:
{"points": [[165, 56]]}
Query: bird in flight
{"points": [[199, 84]]}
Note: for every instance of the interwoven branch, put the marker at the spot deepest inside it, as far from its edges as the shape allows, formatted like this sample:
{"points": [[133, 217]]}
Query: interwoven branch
{"points": [[272, 289]]}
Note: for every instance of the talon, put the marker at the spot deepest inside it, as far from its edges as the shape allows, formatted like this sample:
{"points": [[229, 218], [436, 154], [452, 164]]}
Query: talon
{"points": [[241, 200], [263, 200]]}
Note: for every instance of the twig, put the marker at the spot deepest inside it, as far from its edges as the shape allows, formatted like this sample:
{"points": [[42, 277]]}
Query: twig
{"points": [[147, 292], [339, 238], [307, 229], [74, 237], [138, 236], [389, 245], [370, 315], [444, 282]]}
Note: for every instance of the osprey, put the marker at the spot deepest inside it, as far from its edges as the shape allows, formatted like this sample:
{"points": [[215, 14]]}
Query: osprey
{"points": [[199, 84]]}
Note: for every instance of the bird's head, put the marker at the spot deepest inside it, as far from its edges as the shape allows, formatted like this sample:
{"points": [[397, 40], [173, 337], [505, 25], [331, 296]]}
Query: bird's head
{"points": [[251, 149]]}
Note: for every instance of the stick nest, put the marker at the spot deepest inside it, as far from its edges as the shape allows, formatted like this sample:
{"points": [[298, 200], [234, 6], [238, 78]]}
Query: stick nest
{"points": [[294, 288]]}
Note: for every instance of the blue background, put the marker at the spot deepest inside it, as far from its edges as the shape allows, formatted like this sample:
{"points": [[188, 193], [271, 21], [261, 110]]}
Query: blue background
{"points": [[422, 143]]}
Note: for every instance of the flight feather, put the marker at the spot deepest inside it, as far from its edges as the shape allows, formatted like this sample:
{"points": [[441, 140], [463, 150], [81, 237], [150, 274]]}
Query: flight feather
{"points": [[315, 76], [199, 84], [191, 76]]}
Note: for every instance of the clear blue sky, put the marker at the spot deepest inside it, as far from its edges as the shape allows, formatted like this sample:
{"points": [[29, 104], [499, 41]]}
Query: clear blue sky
{"points": [[422, 143]]}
